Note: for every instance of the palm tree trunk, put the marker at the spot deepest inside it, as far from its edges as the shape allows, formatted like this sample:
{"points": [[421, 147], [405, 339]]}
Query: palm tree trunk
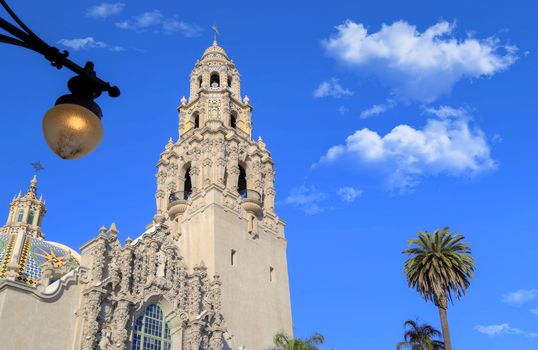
{"points": [[444, 327]]}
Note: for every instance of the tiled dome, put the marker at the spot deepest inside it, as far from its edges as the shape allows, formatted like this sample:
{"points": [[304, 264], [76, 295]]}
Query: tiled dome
{"points": [[36, 254], [214, 51]]}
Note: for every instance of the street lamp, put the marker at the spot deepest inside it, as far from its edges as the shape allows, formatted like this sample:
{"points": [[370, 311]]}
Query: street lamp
{"points": [[72, 128]]}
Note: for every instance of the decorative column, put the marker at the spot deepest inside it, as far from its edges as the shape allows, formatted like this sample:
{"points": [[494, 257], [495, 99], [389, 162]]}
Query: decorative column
{"points": [[232, 167], [269, 187], [91, 310]]}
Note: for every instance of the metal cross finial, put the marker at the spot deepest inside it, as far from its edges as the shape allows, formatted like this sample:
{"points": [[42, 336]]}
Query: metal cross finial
{"points": [[215, 31], [37, 166]]}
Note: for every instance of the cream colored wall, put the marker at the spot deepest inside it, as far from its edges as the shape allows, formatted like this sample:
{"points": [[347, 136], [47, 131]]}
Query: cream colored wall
{"points": [[27, 323], [254, 308]]}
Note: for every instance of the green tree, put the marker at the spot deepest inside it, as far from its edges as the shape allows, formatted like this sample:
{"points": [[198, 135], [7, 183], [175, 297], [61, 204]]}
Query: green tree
{"points": [[284, 342], [439, 267], [420, 337]]}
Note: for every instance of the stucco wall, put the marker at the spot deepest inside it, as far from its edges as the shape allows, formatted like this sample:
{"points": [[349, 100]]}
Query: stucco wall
{"points": [[28, 323], [253, 306]]}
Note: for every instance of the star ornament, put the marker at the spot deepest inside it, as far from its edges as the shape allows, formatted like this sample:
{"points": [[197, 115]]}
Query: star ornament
{"points": [[51, 258]]}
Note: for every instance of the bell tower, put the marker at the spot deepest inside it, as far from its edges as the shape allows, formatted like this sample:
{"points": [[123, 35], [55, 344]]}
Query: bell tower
{"points": [[215, 189]]}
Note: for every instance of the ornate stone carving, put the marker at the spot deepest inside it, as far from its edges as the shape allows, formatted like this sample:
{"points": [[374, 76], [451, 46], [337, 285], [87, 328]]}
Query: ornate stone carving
{"points": [[125, 279]]}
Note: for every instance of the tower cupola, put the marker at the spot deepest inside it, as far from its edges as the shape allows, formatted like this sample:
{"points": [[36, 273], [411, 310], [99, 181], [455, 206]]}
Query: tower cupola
{"points": [[215, 95], [26, 212]]}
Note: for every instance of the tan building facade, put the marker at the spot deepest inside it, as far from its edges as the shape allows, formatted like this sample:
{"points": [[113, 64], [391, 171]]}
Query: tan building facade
{"points": [[209, 272]]}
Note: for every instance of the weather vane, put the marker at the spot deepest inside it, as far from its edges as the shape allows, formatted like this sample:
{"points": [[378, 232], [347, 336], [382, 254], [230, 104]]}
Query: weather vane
{"points": [[37, 166], [215, 31]]}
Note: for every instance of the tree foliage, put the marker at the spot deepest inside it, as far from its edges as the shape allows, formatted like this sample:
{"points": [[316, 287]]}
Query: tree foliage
{"points": [[284, 342], [420, 337], [440, 265]]}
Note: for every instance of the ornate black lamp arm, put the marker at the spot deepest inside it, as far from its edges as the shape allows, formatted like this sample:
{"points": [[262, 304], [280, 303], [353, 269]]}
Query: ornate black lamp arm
{"points": [[24, 37]]}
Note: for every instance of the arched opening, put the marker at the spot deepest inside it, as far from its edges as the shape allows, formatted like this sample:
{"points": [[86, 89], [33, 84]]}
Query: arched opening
{"points": [[30, 219], [200, 81], [20, 216], [233, 120], [214, 81], [151, 331], [196, 118], [242, 181], [187, 187], [229, 81]]}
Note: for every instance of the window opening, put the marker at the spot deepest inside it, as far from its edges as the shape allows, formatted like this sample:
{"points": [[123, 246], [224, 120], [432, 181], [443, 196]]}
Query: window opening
{"points": [[214, 80], [30, 219], [233, 257], [21, 215], [242, 181], [233, 121], [151, 331]]}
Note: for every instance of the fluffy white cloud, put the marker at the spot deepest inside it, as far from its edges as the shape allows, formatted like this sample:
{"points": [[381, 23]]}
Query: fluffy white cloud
{"points": [[534, 311], [172, 25], [88, 43], [331, 88], [349, 194], [143, 21], [378, 109], [418, 65], [521, 296], [452, 146], [502, 329], [105, 10], [159, 24], [307, 199]]}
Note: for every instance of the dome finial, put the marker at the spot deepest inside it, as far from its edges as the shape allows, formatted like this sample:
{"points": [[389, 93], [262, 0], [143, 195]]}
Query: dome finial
{"points": [[32, 189], [215, 32]]}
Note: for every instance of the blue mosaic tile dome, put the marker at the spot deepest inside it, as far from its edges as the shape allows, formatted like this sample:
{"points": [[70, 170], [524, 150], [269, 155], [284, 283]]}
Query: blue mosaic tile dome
{"points": [[36, 254]]}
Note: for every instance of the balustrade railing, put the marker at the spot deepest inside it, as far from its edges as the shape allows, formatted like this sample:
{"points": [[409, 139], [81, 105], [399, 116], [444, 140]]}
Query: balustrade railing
{"points": [[179, 196], [251, 194]]}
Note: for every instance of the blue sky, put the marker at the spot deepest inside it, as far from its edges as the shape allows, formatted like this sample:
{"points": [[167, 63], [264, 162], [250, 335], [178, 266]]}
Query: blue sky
{"points": [[383, 118]]}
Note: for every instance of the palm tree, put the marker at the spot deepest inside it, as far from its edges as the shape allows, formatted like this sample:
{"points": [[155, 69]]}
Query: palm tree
{"points": [[439, 267], [420, 337], [284, 342]]}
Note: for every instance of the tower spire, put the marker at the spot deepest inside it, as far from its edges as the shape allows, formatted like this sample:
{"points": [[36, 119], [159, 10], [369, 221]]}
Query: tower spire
{"points": [[32, 189], [215, 33]]}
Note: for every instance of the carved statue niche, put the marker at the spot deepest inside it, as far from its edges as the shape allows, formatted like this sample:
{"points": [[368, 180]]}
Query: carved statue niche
{"points": [[161, 264]]}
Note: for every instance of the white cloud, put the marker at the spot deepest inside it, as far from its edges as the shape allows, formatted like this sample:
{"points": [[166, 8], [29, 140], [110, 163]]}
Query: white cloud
{"points": [[378, 109], [521, 296], [452, 146], [159, 24], [349, 194], [172, 25], [343, 110], [534, 311], [307, 199], [143, 21], [331, 88], [418, 65], [105, 10], [446, 111], [496, 138], [503, 329], [88, 43]]}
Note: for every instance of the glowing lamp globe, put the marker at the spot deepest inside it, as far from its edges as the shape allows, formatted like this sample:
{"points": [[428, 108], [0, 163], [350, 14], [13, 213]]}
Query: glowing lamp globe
{"points": [[71, 130]]}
